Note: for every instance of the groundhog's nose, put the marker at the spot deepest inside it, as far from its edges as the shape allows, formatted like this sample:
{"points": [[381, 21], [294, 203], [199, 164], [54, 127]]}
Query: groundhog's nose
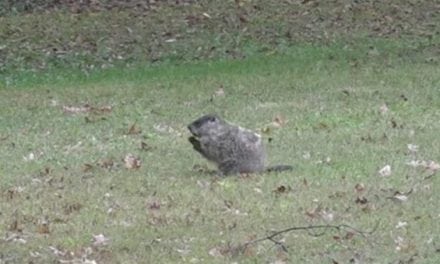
{"points": [[191, 129]]}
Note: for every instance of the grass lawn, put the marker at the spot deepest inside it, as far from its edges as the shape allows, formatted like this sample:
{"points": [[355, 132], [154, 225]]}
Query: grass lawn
{"points": [[338, 116]]}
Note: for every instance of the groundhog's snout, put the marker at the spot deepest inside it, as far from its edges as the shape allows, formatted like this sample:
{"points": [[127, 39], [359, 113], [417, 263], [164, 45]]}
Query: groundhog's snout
{"points": [[192, 130]]}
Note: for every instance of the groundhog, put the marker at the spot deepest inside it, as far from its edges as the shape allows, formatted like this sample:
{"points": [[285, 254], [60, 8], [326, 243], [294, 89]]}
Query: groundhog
{"points": [[232, 148]]}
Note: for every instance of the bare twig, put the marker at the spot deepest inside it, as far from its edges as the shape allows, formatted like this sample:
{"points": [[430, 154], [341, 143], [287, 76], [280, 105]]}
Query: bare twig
{"points": [[272, 236]]}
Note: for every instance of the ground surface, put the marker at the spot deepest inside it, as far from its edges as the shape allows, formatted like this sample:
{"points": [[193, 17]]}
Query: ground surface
{"points": [[96, 167]]}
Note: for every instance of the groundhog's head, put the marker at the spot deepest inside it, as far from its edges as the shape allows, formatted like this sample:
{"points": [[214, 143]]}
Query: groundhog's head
{"points": [[205, 125]]}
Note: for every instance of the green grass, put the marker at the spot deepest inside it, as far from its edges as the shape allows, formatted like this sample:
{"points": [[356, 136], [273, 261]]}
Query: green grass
{"points": [[167, 211]]}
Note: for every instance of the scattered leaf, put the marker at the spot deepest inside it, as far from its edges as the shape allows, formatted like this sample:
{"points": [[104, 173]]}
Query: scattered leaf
{"points": [[145, 146], [87, 167], [282, 189], [361, 200], [29, 157], [400, 197], [100, 240], [153, 204], [219, 92], [72, 207], [76, 109], [43, 227], [359, 187], [401, 224], [266, 130], [215, 252], [279, 121], [134, 129], [306, 155], [413, 148], [86, 109], [106, 163], [132, 162], [327, 215], [385, 171], [383, 109]]}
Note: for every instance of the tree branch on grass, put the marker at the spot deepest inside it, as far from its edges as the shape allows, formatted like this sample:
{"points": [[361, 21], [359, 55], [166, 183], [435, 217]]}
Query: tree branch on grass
{"points": [[308, 229]]}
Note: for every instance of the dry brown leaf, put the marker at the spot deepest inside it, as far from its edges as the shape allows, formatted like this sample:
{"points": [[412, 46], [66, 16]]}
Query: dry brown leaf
{"points": [[433, 166], [86, 108], [279, 121], [134, 129], [76, 109], [100, 240], [327, 216], [87, 167], [145, 146], [361, 200], [103, 109], [412, 148], [219, 92], [359, 187], [385, 171], [400, 197], [313, 213], [132, 162], [266, 130], [282, 189], [383, 109], [106, 163], [43, 227], [215, 252]]}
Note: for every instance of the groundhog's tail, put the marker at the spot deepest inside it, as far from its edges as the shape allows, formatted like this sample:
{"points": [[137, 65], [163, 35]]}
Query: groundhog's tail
{"points": [[279, 168]]}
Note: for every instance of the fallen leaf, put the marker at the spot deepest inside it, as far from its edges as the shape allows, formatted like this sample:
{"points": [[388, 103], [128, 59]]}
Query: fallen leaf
{"points": [[383, 109], [43, 227], [412, 147], [306, 155], [102, 109], [153, 204], [134, 130], [400, 197], [401, 224], [215, 252], [145, 146], [87, 167], [279, 121], [359, 187], [385, 171], [219, 92], [76, 109], [100, 240], [29, 157], [361, 200], [327, 215], [132, 162], [106, 163], [433, 166], [282, 189]]}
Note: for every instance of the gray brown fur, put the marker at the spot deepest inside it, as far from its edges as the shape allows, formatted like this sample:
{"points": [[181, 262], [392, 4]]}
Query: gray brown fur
{"points": [[232, 148]]}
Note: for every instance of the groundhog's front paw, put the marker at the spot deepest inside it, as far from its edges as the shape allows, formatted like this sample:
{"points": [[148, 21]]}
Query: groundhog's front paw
{"points": [[195, 143]]}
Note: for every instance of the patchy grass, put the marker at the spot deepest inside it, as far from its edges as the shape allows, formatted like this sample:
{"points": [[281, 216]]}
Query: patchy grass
{"points": [[88, 35], [345, 115]]}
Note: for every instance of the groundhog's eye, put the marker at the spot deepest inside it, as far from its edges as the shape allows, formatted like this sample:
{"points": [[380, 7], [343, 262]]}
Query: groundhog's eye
{"points": [[212, 119]]}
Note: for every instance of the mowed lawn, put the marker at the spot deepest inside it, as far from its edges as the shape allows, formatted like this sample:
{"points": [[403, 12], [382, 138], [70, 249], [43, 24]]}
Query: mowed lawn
{"points": [[99, 170]]}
